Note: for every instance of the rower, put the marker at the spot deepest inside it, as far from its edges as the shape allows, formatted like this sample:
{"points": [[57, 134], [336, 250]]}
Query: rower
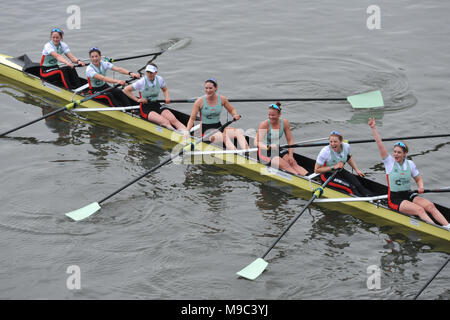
{"points": [[268, 139], [52, 53], [149, 87], [210, 107], [399, 172], [334, 157], [97, 79]]}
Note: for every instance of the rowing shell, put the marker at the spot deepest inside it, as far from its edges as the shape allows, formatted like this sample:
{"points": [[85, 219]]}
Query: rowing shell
{"points": [[22, 70]]}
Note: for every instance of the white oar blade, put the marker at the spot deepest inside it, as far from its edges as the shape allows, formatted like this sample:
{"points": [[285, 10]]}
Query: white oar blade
{"points": [[372, 99], [254, 269], [84, 212]]}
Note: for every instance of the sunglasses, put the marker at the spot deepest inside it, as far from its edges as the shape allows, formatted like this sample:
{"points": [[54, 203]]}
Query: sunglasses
{"points": [[400, 144], [274, 106], [56, 30], [335, 133]]}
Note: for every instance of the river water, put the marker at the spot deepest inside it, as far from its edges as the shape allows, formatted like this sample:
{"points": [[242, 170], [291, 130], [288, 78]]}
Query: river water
{"points": [[184, 231]]}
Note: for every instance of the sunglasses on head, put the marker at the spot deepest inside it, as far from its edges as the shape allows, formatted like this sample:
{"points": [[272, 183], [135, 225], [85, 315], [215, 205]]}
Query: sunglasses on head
{"points": [[56, 30], [274, 106], [336, 133], [400, 144]]}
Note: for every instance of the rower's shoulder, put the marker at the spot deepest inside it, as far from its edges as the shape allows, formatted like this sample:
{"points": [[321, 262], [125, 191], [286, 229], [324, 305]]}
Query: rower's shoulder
{"points": [[223, 98], [264, 124], [199, 102]]}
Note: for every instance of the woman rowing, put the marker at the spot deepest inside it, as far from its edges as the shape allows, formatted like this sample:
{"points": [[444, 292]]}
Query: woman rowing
{"points": [[399, 172], [210, 107], [334, 157], [54, 52], [268, 139], [149, 88], [97, 79]]}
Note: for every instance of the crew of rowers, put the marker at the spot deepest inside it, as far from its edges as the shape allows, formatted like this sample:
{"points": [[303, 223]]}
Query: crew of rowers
{"points": [[209, 107]]}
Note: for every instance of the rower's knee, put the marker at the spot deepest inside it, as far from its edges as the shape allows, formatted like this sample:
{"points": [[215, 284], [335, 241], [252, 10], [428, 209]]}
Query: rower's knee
{"points": [[422, 213], [429, 206]]}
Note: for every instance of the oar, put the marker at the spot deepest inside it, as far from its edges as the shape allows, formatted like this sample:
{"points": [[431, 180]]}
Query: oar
{"points": [[370, 99], [90, 209], [69, 106], [254, 269], [361, 199], [128, 58], [431, 279], [318, 144], [196, 153], [444, 189], [353, 199], [106, 109], [155, 54], [416, 192]]}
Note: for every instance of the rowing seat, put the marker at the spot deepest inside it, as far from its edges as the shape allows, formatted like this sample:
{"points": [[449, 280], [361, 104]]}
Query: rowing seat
{"points": [[28, 65]]}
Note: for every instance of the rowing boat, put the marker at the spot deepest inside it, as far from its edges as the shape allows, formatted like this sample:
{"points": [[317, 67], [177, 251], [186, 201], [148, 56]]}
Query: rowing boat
{"points": [[23, 70]]}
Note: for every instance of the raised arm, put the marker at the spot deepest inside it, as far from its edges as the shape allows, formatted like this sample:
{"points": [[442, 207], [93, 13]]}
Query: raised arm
{"points": [[381, 147]]}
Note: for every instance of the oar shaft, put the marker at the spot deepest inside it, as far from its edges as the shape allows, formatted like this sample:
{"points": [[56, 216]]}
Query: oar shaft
{"points": [[66, 107], [138, 56], [431, 279], [163, 163], [137, 179], [192, 100], [318, 144], [33, 121], [299, 214]]}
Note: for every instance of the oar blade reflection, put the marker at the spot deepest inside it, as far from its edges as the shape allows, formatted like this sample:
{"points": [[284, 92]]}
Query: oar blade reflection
{"points": [[254, 269], [85, 212]]}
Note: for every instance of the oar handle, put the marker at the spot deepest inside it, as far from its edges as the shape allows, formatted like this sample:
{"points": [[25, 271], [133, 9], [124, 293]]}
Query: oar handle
{"points": [[445, 189], [316, 194]]}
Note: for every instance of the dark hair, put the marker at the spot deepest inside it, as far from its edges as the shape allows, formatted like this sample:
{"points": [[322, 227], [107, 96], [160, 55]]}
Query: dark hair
{"points": [[276, 106], [94, 49], [213, 81], [61, 33]]}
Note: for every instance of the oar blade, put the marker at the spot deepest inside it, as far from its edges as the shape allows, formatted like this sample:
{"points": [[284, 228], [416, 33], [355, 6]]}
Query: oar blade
{"points": [[254, 269], [372, 99], [85, 212]]}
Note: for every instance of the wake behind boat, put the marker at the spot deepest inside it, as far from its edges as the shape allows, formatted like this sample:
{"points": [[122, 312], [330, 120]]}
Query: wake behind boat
{"points": [[23, 70]]}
